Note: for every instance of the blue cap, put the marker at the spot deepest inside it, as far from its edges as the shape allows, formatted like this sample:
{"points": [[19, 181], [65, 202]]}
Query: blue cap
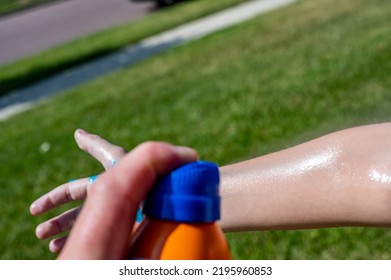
{"points": [[189, 193]]}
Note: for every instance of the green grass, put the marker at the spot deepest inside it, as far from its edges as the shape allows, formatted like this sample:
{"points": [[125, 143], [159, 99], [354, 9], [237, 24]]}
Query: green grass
{"points": [[8, 6], [275, 81], [32, 69]]}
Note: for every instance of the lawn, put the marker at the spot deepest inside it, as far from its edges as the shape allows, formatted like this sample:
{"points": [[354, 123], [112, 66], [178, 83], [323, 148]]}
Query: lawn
{"points": [[42, 65], [264, 85], [8, 6]]}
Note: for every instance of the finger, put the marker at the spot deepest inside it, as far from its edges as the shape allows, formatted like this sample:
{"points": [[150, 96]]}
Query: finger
{"points": [[105, 223], [62, 223], [102, 150], [56, 245], [71, 191], [57, 225], [107, 153]]}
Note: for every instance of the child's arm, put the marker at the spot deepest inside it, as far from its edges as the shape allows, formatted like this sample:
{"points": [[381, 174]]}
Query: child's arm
{"points": [[341, 179]]}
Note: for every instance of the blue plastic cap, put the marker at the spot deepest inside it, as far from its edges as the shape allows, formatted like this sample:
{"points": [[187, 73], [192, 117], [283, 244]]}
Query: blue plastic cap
{"points": [[189, 193]]}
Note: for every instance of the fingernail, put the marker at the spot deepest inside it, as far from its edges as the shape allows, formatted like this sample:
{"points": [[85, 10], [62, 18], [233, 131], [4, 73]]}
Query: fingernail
{"points": [[186, 153], [81, 131], [34, 209], [39, 232], [55, 246]]}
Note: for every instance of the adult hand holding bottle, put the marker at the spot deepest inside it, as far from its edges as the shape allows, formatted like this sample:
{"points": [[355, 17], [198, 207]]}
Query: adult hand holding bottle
{"points": [[104, 225]]}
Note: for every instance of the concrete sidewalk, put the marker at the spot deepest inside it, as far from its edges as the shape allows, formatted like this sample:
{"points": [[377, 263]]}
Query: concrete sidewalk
{"points": [[23, 99]]}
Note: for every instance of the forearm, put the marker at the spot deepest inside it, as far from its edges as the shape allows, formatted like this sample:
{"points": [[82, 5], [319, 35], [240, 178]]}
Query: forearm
{"points": [[337, 180]]}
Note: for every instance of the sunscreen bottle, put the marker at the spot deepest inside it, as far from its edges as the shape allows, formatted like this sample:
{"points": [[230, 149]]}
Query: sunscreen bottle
{"points": [[180, 217]]}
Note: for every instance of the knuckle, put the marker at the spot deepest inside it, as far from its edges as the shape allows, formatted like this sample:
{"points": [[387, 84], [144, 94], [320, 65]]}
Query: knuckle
{"points": [[152, 147], [116, 150]]}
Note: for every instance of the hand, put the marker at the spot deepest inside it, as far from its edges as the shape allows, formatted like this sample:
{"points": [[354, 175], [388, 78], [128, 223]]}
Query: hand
{"points": [[106, 153], [105, 223]]}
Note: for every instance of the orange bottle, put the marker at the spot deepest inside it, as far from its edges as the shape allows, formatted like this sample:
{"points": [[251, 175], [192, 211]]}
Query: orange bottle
{"points": [[181, 213]]}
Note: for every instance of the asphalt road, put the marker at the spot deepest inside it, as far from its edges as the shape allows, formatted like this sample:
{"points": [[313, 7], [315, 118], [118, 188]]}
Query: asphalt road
{"points": [[32, 31]]}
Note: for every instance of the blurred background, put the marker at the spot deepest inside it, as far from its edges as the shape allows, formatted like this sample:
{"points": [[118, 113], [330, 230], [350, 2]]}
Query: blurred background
{"points": [[263, 85]]}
